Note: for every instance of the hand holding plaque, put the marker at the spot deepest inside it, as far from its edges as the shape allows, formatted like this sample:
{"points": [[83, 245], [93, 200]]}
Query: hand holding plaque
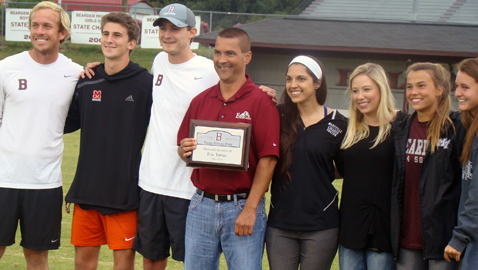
{"points": [[220, 145]]}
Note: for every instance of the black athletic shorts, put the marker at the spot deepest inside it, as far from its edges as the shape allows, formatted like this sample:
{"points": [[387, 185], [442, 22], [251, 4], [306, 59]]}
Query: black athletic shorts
{"points": [[161, 226], [39, 212]]}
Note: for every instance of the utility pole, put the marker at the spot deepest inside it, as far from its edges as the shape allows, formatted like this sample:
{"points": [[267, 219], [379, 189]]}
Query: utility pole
{"points": [[124, 3]]}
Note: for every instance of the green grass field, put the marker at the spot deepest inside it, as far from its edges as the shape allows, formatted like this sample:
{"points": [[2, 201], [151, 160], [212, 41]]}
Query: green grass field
{"points": [[63, 258]]}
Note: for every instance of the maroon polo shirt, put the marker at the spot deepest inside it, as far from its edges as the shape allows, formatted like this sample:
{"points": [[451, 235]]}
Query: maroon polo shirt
{"points": [[248, 105]]}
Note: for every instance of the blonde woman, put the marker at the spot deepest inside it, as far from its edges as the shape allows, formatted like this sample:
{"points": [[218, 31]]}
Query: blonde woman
{"points": [[427, 173], [364, 237]]}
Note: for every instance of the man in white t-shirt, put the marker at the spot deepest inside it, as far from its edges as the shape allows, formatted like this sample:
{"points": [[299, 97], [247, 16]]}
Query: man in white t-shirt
{"points": [[178, 76], [36, 89]]}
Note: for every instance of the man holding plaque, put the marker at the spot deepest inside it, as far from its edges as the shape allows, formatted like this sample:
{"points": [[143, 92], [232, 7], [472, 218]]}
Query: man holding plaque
{"points": [[227, 213]]}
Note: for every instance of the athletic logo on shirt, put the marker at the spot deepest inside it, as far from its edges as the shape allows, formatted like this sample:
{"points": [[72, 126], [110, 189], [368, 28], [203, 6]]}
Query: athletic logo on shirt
{"points": [[96, 95], [467, 172], [333, 129], [130, 98], [128, 239], [244, 115], [159, 80], [444, 142], [22, 84]]}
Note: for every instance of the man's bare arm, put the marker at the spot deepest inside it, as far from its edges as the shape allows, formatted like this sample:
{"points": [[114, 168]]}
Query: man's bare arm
{"points": [[262, 178], [89, 70]]}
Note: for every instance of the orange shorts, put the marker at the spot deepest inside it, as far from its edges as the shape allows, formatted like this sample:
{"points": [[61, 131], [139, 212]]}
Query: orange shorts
{"points": [[90, 228]]}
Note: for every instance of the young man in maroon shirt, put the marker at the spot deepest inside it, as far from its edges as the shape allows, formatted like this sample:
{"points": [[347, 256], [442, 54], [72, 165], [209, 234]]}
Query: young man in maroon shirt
{"points": [[236, 223]]}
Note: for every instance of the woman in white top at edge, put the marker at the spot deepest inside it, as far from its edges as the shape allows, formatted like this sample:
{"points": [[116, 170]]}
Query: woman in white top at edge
{"points": [[364, 238], [303, 219]]}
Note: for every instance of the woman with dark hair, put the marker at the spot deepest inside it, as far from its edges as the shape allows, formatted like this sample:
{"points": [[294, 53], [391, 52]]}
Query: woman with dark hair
{"points": [[427, 171], [304, 218], [465, 235]]}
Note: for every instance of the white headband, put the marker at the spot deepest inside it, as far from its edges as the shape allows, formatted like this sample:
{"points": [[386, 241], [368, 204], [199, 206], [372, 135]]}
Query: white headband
{"points": [[310, 63]]}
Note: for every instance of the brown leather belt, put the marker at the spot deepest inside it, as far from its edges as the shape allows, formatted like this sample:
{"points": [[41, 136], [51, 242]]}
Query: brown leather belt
{"points": [[223, 198]]}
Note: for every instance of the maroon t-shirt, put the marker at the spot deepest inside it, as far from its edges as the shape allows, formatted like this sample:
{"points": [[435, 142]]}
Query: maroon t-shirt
{"points": [[411, 234]]}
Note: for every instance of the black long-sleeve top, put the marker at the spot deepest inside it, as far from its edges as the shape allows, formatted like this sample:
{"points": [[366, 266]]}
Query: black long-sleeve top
{"points": [[113, 113]]}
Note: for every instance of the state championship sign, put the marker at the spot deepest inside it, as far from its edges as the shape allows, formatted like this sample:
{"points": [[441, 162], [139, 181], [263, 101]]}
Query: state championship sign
{"points": [[16, 24], [86, 27]]}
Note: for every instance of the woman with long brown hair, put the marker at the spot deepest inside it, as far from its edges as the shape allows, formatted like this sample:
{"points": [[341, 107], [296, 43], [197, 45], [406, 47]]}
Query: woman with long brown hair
{"points": [[304, 218], [465, 235], [427, 171]]}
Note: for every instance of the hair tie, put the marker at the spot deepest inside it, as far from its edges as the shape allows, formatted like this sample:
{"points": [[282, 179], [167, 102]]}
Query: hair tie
{"points": [[310, 63]]}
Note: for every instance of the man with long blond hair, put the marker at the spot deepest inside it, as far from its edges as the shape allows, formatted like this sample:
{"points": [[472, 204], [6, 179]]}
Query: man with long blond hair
{"points": [[36, 88]]}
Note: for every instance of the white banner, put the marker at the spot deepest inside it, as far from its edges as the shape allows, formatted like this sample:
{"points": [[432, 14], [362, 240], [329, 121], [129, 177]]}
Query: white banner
{"points": [[150, 34], [16, 22], [86, 27]]}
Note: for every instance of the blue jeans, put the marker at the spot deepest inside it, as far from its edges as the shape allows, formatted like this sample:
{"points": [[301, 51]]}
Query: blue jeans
{"points": [[364, 259], [210, 231]]}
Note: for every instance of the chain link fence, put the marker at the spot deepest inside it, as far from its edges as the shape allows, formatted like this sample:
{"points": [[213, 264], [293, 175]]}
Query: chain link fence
{"points": [[210, 20]]}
